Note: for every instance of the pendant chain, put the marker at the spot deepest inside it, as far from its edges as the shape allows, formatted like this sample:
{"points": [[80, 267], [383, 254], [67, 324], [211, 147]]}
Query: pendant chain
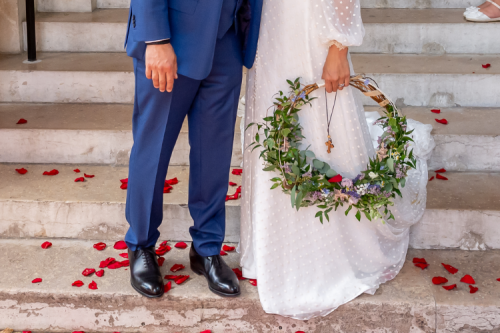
{"points": [[329, 143]]}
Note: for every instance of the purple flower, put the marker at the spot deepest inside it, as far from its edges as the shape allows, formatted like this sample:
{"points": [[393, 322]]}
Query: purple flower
{"points": [[346, 182], [307, 174], [316, 195], [374, 189], [353, 200], [286, 168], [354, 194]]}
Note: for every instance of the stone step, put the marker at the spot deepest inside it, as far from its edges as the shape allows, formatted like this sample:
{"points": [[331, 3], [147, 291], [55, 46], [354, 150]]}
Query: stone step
{"points": [[419, 4], [416, 80], [408, 303], [462, 212], [81, 6], [427, 31], [79, 133], [101, 134]]}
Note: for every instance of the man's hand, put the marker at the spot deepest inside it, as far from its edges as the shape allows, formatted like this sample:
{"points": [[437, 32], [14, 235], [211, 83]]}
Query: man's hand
{"points": [[336, 70], [161, 66]]}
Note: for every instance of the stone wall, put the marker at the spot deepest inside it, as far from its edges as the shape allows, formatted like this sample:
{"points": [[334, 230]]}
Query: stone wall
{"points": [[12, 14]]}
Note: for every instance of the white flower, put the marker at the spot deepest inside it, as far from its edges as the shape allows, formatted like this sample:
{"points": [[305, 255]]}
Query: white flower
{"points": [[372, 175]]}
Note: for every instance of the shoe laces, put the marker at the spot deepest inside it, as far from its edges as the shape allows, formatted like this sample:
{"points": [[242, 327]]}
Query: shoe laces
{"points": [[148, 257]]}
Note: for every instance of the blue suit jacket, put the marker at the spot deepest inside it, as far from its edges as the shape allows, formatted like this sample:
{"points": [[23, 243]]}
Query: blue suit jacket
{"points": [[192, 26]]}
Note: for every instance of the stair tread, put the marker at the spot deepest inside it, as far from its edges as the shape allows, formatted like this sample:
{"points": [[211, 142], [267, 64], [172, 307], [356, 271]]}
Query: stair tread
{"points": [[111, 15]]}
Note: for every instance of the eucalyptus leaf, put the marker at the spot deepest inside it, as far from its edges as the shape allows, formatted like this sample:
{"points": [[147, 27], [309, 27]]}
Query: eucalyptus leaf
{"points": [[390, 163], [292, 195], [331, 173], [295, 170], [310, 154], [318, 164]]}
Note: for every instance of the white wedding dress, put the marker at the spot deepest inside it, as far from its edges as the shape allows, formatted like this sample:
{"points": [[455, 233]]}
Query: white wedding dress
{"points": [[304, 268]]}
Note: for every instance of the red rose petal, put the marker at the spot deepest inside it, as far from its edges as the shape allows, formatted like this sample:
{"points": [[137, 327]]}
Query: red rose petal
{"points": [[78, 332], [162, 250], [37, 280], [52, 172], [172, 277], [106, 263], [100, 273], [422, 266], [486, 66], [438, 176], [117, 264], [88, 271], [124, 186], [124, 181], [125, 263], [222, 253], [21, 121], [440, 171], [237, 172], [498, 279], [436, 111], [168, 286], [120, 245], [124, 255], [253, 282], [176, 268], [468, 279], [77, 283], [88, 176], [335, 179], [100, 246], [79, 179], [442, 121], [77, 170], [232, 184], [419, 261], [164, 243], [228, 248], [207, 331], [172, 181], [167, 189], [22, 171], [93, 285], [439, 280], [239, 274], [46, 245], [453, 286], [181, 245], [161, 260], [473, 289], [431, 179], [181, 279], [450, 268]]}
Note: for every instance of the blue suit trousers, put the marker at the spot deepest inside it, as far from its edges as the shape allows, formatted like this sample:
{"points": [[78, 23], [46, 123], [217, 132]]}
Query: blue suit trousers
{"points": [[210, 105]]}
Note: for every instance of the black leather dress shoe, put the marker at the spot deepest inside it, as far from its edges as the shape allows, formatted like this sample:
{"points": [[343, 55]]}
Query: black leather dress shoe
{"points": [[221, 279], [145, 275]]}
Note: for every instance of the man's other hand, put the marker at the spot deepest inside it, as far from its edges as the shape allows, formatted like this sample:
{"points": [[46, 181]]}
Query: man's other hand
{"points": [[161, 66]]}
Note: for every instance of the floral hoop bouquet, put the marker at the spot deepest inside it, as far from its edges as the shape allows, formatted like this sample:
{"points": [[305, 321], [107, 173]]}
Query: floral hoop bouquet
{"points": [[311, 182]]}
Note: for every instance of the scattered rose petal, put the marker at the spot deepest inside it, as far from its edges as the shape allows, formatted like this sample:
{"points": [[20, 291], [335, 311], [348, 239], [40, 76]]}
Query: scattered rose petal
{"points": [[253, 282], [78, 332], [79, 179], [232, 184], [207, 331], [498, 279], [438, 176], [453, 286], [77, 283], [419, 261], [22, 171], [100, 246], [168, 286], [436, 111], [172, 277], [161, 260], [450, 268], [164, 243], [100, 273], [124, 186], [177, 267], [93, 285], [26, 331], [468, 279], [77, 170], [486, 66], [181, 245], [422, 266], [431, 179], [222, 253], [124, 255], [172, 181], [88, 176], [442, 121], [106, 263], [181, 279], [52, 172], [442, 170], [167, 189], [335, 179], [88, 271], [228, 248], [118, 264], [21, 121], [439, 280], [37, 280], [239, 274], [125, 263], [162, 250], [46, 245], [473, 289], [237, 172], [124, 181], [120, 245]]}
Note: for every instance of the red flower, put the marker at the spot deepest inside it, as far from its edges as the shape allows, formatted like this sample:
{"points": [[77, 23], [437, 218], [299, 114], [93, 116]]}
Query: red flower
{"points": [[120, 245], [172, 181], [438, 176], [88, 176], [22, 171], [450, 268], [432, 178], [79, 179], [239, 274], [181, 245], [439, 280], [228, 248], [88, 271], [106, 263], [162, 250], [52, 172], [253, 282], [232, 184], [93, 285], [176, 268], [440, 171], [46, 245], [181, 279], [77, 283], [100, 273], [37, 280], [419, 261], [473, 289], [442, 121], [453, 286], [124, 186], [335, 179], [422, 266], [21, 121], [237, 172], [222, 253], [436, 111], [77, 170], [172, 277], [168, 286], [161, 260], [124, 255], [486, 66], [468, 279], [100, 246]]}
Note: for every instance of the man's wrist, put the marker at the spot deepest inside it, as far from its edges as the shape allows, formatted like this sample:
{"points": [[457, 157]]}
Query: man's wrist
{"points": [[159, 42]]}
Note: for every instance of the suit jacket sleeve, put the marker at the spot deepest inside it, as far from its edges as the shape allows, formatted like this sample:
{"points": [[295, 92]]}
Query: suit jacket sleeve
{"points": [[149, 20]]}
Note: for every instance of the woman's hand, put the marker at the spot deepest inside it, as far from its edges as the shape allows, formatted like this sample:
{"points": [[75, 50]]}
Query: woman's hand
{"points": [[336, 70]]}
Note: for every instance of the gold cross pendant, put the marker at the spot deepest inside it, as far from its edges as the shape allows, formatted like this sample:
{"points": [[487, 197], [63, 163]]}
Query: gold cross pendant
{"points": [[329, 145]]}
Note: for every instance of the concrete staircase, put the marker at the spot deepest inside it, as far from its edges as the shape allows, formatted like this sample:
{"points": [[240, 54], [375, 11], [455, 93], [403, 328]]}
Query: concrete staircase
{"points": [[78, 105]]}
